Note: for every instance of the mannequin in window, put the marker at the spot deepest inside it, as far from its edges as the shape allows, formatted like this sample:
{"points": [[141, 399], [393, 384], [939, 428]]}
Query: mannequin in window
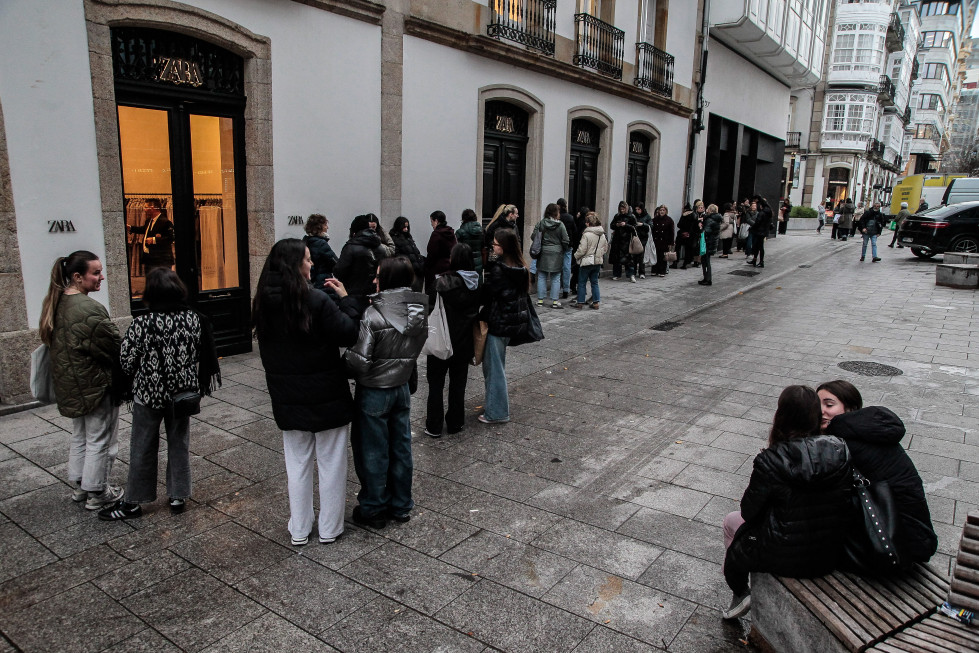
{"points": [[158, 238]]}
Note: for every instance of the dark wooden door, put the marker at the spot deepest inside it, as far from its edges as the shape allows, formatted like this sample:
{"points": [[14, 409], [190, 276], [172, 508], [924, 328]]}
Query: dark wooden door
{"points": [[504, 159], [638, 169], [583, 166]]}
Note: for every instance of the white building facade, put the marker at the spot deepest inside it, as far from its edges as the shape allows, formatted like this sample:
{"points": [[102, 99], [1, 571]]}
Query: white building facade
{"points": [[864, 104], [242, 117]]}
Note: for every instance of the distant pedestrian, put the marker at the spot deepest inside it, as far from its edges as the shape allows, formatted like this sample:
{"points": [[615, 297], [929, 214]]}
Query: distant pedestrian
{"points": [[857, 214], [404, 245], [871, 225], [922, 205], [902, 215], [663, 235], [728, 220], [643, 230], [590, 256], [471, 233], [324, 258], [357, 266], [619, 256], [440, 245], [567, 273], [821, 215], [846, 219], [506, 217], [459, 290], [759, 232], [783, 218], [710, 228], [686, 235], [554, 243], [83, 345], [300, 331]]}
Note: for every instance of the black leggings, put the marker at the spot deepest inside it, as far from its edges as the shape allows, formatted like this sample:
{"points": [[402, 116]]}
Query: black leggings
{"points": [[759, 247]]}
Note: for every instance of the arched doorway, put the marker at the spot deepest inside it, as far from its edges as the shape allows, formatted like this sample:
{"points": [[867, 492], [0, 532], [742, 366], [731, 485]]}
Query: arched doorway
{"points": [[638, 170], [838, 184], [180, 106], [583, 169], [505, 140]]}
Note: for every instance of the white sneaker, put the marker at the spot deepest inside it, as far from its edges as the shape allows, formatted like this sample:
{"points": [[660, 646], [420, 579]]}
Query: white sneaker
{"points": [[632, 278], [110, 494], [642, 276]]}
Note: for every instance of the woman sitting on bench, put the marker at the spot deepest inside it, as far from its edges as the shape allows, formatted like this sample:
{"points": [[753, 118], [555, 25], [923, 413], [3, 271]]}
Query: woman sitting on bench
{"points": [[873, 435], [794, 513]]}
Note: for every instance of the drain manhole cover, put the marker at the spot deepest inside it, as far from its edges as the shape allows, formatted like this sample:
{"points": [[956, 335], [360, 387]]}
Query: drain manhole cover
{"points": [[866, 368], [805, 266], [665, 326], [745, 273]]}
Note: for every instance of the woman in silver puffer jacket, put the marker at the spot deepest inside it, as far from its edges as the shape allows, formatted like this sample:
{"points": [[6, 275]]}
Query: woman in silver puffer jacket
{"points": [[392, 333]]}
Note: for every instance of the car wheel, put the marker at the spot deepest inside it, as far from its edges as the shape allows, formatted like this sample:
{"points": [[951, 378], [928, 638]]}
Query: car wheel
{"points": [[921, 253], [969, 244]]}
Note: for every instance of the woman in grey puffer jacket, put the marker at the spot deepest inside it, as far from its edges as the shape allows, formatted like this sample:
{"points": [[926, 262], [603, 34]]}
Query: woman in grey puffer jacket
{"points": [[392, 333]]}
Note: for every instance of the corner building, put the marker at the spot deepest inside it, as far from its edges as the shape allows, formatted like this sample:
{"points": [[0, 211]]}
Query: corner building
{"points": [[240, 118]]}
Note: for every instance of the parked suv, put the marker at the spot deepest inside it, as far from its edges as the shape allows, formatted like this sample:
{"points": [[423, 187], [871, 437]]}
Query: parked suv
{"points": [[953, 228]]}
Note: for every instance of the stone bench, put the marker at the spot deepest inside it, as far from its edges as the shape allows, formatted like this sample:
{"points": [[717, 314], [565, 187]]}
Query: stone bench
{"points": [[960, 257], [957, 275], [841, 612]]}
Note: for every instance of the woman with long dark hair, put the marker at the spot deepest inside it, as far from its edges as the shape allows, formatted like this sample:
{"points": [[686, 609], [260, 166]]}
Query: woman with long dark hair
{"points": [[392, 333], [663, 235], [167, 351], [506, 312], [873, 435], [795, 511], [404, 245], [459, 290], [300, 331], [471, 233], [84, 348], [439, 251]]}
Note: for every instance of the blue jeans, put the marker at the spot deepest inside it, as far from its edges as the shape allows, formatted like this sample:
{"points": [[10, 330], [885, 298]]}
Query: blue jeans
{"points": [[497, 403], [589, 274], [873, 244], [548, 278], [382, 450], [566, 272], [630, 269]]}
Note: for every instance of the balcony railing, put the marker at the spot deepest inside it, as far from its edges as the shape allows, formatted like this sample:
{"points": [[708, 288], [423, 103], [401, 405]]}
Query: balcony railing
{"points": [[895, 34], [598, 45], [654, 69], [875, 149], [793, 140], [527, 22], [886, 91]]}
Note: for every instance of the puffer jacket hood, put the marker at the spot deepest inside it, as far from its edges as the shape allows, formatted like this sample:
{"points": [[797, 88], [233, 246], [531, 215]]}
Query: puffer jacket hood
{"points": [[391, 336], [470, 278], [873, 424], [403, 309]]}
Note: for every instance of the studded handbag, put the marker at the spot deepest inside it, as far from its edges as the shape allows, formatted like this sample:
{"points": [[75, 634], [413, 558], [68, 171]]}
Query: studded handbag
{"points": [[869, 546]]}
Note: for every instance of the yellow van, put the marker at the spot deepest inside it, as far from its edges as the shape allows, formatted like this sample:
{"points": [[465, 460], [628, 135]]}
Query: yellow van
{"points": [[913, 188]]}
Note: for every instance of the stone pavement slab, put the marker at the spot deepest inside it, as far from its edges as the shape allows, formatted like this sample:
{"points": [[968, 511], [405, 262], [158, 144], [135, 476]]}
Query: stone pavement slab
{"points": [[590, 522]]}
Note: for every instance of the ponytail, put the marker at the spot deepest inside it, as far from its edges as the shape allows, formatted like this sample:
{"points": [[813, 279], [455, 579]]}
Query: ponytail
{"points": [[65, 267]]}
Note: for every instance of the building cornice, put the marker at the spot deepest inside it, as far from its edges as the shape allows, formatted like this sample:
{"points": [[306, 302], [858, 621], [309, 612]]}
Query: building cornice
{"points": [[489, 48], [363, 10]]}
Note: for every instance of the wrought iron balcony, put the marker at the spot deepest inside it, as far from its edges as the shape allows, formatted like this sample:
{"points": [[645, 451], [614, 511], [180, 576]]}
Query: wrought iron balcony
{"points": [[895, 34], [527, 22], [886, 91], [598, 45], [654, 69], [793, 140], [875, 149]]}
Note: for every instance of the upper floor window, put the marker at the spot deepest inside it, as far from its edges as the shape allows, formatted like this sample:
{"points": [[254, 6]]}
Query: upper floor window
{"points": [[601, 9], [859, 46], [931, 101], [936, 71], [924, 131], [936, 39], [938, 8], [851, 112]]}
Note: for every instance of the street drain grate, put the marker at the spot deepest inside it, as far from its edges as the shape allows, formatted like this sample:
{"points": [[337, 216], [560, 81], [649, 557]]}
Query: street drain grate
{"points": [[745, 273], [866, 368], [665, 326], [805, 266]]}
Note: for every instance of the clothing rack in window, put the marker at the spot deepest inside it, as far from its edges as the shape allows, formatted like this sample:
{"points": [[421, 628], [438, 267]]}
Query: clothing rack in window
{"points": [[210, 219]]}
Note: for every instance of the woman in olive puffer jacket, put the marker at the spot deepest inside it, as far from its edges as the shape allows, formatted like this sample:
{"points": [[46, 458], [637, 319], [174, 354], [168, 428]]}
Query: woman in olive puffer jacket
{"points": [[796, 509], [84, 348]]}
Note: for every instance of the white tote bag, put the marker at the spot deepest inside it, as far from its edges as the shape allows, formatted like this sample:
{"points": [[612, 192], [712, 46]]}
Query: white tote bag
{"points": [[42, 381], [438, 344], [649, 256]]}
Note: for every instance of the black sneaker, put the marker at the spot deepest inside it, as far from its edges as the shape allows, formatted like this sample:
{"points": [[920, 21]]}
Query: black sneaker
{"points": [[120, 510], [177, 506], [376, 521], [401, 518]]}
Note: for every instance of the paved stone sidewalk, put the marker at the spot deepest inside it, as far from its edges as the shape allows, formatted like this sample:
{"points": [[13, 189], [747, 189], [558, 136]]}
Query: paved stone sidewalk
{"points": [[588, 523]]}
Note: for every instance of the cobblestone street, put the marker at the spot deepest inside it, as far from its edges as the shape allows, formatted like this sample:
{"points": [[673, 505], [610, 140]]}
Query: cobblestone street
{"points": [[590, 522]]}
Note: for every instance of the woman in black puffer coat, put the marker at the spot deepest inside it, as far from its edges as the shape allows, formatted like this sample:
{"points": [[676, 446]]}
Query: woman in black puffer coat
{"points": [[404, 245], [324, 258], [357, 267], [507, 313], [874, 436], [300, 331], [795, 511]]}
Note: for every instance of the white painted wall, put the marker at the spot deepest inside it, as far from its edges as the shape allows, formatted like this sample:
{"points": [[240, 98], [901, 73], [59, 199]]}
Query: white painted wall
{"points": [[441, 129], [739, 91], [326, 113], [326, 110], [46, 91]]}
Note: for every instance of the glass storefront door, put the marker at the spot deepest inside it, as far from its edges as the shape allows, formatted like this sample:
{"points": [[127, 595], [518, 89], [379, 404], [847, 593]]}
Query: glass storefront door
{"points": [[184, 209]]}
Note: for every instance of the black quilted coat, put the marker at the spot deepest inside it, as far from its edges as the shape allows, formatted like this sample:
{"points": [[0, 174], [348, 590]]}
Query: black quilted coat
{"points": [[84, 349], [504, 310], [307, 380], [873, 435], [796, 508], [357, 266]]}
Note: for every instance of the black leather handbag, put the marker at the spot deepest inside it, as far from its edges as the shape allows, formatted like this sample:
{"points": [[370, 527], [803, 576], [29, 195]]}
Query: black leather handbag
{"points": [[186, 403], [869, 546]]}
